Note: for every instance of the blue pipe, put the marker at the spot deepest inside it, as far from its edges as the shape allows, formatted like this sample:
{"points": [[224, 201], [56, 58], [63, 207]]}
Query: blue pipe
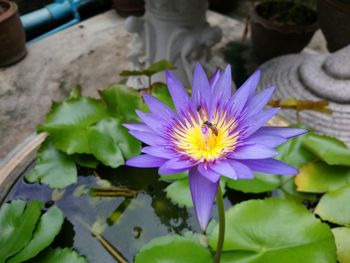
{"points": [[55, 12]]}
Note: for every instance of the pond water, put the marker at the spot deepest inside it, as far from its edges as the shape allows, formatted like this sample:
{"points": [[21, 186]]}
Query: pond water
{"points": [[127, 223]]}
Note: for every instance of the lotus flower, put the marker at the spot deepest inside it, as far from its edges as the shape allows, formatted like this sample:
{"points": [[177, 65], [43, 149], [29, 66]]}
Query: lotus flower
{"points": [[213, 133]]}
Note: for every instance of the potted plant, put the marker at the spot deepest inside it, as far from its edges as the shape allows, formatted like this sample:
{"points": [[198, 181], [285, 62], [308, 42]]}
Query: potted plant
{"points": [[281, 27], [12, 36], [129, 7], [334, 20]]}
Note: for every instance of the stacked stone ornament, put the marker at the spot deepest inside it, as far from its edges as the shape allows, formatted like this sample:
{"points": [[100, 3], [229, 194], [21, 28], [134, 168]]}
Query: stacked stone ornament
{"points": [[314, 77]]}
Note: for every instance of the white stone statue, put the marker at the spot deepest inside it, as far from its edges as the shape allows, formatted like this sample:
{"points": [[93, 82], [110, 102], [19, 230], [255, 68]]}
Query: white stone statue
{"points": [[175, 30]]}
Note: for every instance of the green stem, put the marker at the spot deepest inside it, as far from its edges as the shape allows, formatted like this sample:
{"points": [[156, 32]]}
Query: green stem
{"points": [[221, 209]]}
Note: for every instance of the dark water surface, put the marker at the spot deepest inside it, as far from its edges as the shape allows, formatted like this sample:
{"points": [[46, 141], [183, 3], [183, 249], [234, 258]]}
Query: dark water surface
{"points": [[127, 223]]}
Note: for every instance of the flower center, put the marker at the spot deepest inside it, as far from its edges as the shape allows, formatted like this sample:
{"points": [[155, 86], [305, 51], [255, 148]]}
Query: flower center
{"points": [[204, 140]]}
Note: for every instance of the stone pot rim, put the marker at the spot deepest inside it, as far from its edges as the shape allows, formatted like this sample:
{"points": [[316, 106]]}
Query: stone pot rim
{"points": [[10, 10], [282, 28]]}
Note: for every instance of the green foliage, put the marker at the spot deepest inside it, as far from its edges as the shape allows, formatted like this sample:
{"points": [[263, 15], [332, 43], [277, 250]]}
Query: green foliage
{"points": [[173, 249], [17, 223], [24, 231], [275, 230], [172, 177], [122, 101], [110, 142], [68, 123], [261, 183], [329, 149], [151, 70], [342, 240], [294, 152], [179, 193], [48, 227], [161, 92], [334, 206], [60, 255], [53, 167], [318, 177], [292, 12], [86, 131]]}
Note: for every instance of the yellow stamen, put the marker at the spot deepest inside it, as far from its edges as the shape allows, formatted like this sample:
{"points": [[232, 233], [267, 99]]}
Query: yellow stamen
{"points": [[205, 140]]}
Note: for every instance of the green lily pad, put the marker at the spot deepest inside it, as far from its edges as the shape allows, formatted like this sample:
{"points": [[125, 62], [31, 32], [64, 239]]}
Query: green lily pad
{"points": [[17, 223], [261, 183], [111, 143], [179, 193], [161, 92], [60, 255], [48, 227], [342, 240], [122, 101], [53, 168], [102, 143], [86, 160], [329, 149], [173, 249], [318, 177], [294, 152], [172, 177], [275, 230], [288, 190], [68, 121], [334, 206]]}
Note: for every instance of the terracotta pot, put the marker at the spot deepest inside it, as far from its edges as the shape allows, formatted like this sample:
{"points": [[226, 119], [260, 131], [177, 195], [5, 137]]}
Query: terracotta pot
{"points": [[271, 39], [12, 36], [334, 20], [129, 7]]}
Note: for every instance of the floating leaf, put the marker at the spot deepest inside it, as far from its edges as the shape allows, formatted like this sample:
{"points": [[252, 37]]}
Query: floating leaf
{"points": [[328, 149], [275, 230], [60, 255], [102, 143], [179, 193], [161, 92], [173, 249], [67, 123], [294, 153], [342, 240], [172, 177], [288, 190], [261, 183], [318, 105], [154, 68], [128, 145], [122, 101], [318, 177], [53, 168], [110, 142], [86, 160], [17, 223], [334, 206], [47, 229]]}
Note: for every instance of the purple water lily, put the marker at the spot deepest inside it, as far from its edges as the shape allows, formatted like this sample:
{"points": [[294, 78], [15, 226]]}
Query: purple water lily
{"points": [[211, 134]]}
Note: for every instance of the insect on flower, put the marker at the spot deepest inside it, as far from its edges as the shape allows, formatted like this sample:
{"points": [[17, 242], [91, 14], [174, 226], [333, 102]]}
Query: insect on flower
{"points": [[211, 126], [214, 133]]}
